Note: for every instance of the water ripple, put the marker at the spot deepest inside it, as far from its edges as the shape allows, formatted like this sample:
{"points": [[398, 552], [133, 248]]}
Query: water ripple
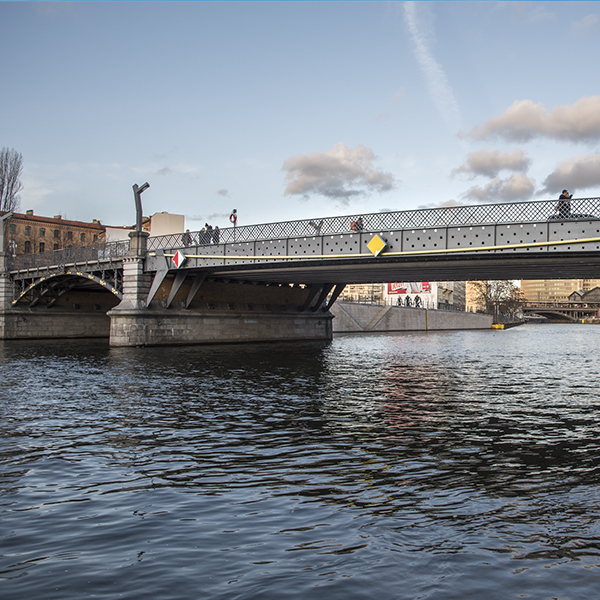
{"points": [[449, 465]]}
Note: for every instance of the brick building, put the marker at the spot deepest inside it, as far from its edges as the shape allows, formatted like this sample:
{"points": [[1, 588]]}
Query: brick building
{"points": [[29, 234]]}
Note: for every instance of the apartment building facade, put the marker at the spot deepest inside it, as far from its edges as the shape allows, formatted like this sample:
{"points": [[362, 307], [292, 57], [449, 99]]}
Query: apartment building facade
{"points": [[31, 234]]}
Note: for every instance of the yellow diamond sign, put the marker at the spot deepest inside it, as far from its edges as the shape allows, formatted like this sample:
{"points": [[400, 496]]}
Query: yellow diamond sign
{"points": [[376, 245]]}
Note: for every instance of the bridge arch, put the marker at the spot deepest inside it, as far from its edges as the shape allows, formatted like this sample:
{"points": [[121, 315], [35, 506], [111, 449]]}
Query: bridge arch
{"points": [[554, 315], [54, 285]]}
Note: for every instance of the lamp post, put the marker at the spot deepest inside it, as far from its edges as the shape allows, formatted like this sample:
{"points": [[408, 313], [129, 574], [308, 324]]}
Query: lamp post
{"points": [[137, 192]]}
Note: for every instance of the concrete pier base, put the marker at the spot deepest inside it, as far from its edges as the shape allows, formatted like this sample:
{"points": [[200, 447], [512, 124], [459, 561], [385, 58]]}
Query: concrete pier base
{"points": [[53, 324], [150, 327]]}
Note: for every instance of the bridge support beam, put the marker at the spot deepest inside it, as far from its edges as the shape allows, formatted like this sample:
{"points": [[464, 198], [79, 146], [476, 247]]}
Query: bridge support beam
{"points": [[160, 327]]}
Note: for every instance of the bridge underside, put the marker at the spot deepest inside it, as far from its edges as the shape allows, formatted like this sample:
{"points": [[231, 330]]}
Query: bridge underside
{"points": [[452, 267], [554, 316]]}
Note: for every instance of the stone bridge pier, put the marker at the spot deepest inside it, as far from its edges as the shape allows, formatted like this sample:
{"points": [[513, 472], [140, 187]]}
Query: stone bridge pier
{"points": [[185, 308]]}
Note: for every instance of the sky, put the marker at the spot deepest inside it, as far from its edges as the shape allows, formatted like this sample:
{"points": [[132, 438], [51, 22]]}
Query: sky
{"points": [[296, 110]]}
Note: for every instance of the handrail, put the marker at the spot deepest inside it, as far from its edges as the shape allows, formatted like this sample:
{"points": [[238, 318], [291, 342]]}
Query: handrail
{"points": [[538, 211], [454, 216], [76, 254]]}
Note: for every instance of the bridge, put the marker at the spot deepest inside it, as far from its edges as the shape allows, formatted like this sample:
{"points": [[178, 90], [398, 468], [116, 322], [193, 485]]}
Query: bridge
{"points": [[561, 312], [285, 276]]}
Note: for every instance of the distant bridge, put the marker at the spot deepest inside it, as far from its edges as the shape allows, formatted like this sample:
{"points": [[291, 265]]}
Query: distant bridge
{"points": [[563, 311]]}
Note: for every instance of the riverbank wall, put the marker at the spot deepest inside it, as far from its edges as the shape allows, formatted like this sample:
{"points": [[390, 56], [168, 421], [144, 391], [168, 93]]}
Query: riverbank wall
{"points": [[351, 317]]}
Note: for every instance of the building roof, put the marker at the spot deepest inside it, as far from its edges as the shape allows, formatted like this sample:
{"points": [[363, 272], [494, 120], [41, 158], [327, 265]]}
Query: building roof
{"points": [[29, 216], [593, 292]]}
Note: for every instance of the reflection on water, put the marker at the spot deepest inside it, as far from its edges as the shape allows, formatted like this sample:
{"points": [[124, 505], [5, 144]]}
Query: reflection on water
{"points": [[439, 465]]}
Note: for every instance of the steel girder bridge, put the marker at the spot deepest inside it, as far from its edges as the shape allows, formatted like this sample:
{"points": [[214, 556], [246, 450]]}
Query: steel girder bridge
{"points": [[522, 240]]}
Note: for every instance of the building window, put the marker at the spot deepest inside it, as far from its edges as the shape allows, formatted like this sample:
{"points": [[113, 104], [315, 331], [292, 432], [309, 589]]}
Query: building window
{"points": [[12, 228], [82, 236], [69, 235], [42, 232], [42, 247], [27, 247], [27, 229], [95, 238], [56, 246], [56, 234]]}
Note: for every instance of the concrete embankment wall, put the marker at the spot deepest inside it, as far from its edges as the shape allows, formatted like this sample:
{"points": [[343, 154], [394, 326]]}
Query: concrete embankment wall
{"points": [[353, 317]]}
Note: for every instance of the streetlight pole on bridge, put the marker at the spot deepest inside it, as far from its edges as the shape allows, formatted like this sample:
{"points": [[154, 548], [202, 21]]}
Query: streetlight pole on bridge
{"points": [[137, 193]]}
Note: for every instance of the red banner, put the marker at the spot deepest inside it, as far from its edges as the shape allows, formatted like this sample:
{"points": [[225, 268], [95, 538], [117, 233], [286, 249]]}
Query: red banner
{"points": [[416, 287]]}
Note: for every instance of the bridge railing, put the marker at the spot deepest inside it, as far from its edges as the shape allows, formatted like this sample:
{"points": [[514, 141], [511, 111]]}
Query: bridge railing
{"points": [[106, 251], [458, 216], [483, 214]]}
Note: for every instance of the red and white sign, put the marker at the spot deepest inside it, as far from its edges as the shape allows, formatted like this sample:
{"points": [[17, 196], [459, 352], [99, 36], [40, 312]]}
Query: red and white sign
{"points": [[414, 287], [179, 258]]}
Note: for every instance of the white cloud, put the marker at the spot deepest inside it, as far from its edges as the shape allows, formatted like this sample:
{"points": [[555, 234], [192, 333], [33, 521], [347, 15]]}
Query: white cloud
{"points": [[580, 172], [339, 173], [400, 94], [440, 90], [587, 25], [491, 162], [528, 12], [517, 187], [525, 120], [445, 204]]}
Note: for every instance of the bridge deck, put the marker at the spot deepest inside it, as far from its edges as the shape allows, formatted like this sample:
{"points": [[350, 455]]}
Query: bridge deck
{"points": [[524, 240]]}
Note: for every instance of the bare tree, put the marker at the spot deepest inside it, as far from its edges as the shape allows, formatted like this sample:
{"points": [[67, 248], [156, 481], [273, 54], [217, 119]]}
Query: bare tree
{"points": [[11, 166], [501, 298]]}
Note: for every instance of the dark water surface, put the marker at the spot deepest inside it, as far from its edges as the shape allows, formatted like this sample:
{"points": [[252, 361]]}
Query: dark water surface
{"points": [[431, 465]]}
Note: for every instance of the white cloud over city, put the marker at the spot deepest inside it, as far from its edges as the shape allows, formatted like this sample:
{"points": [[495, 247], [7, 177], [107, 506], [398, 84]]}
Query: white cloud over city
{"points": [[517, 186], [491, 162], [577, 173], [589, 25], [339, 174], [525, 120]]}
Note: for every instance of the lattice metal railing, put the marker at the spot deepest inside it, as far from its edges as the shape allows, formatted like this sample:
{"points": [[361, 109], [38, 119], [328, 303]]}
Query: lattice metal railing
{"points": [[486, 214], [457, 216], [58, 258]]}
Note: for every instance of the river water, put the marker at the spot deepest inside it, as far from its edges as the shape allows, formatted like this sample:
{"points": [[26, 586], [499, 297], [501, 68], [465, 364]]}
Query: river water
{"points": [[432, 465]]}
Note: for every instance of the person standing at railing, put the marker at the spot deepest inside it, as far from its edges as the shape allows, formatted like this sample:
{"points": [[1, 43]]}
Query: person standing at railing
{"points": [[564, 204], [206, 235], [216, 234], [233, 220], [357, 225], [186, 238], [316, 226]]}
